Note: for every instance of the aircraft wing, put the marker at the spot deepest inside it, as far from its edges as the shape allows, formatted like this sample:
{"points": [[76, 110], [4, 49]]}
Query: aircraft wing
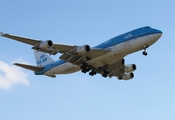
{"points": [[69, 52], [115, 69], [77, 59], [21, 39], [119, 69], [53, 50]]}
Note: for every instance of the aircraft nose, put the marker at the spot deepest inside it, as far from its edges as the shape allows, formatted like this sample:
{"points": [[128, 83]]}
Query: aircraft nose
{"points": [[156, 34], [159, 32]]}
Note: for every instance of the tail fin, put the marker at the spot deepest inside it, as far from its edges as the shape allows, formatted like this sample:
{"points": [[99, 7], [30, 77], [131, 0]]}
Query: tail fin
{"points": [[42, 58]]}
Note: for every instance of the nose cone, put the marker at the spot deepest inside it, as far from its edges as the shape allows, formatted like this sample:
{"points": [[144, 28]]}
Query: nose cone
{"points": [[159, 32], [156, 31], [156, 34]]}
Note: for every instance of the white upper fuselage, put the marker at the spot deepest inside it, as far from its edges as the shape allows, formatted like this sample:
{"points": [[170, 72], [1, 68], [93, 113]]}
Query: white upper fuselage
{"points": [[119, 46]]}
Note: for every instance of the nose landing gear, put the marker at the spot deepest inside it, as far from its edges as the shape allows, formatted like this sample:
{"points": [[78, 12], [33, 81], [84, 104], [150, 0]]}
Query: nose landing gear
{"points": [[144, 52]]}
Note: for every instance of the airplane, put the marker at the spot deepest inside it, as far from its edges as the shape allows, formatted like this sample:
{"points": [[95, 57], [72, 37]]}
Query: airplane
{"points": [[106, 58]]}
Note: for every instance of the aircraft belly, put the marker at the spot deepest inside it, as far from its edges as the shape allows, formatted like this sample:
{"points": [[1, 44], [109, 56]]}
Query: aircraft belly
{"points": [[65, 68]]}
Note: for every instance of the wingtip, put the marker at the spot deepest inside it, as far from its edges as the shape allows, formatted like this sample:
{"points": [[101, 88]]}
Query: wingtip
{"points": [[17, 64], [1, 33]]}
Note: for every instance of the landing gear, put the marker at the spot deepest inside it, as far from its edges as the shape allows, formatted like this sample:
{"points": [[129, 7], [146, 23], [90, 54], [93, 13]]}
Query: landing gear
{"points": [[85, 68], [144, 52], [92, 73], [105, 74]]}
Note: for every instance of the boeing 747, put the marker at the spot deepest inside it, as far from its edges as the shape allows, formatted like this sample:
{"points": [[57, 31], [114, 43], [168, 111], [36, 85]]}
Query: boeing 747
{"points": [[106, 58]]}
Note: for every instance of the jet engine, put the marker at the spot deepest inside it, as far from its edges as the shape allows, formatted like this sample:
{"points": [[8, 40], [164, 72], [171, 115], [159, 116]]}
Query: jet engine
{"points": [[128, 76], [83, 49], [129, 68], [46, 44]]}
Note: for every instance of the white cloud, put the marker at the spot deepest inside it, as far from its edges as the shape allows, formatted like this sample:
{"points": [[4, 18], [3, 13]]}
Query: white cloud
{"points": [[11, 75]]}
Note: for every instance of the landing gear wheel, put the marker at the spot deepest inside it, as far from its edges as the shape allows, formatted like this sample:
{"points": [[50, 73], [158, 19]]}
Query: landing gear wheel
{"points": [[85, 67], [104, 75], [92, 73], [145, 53], [83, 71]]}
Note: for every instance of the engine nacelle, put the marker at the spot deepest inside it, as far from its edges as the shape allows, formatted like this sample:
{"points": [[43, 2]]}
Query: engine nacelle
{"points": [[128, 76], [46, 44], [130, 67], [83, 49]]}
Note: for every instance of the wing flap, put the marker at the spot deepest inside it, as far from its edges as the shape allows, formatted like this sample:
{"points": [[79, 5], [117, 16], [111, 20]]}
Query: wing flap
{"points": [[77, 59], [97, 52], [29, 67], [62, 48]]}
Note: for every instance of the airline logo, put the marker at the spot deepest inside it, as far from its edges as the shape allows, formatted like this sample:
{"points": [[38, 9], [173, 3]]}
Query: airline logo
{"points": [[43, 59], [128, 36]]}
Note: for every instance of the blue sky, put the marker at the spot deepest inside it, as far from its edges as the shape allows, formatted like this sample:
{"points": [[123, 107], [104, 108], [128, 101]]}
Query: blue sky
{"points": [[150, 95]]}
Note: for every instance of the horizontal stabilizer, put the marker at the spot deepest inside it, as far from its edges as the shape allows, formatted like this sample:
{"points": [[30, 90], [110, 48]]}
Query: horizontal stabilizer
{"points": [[29, 67]]}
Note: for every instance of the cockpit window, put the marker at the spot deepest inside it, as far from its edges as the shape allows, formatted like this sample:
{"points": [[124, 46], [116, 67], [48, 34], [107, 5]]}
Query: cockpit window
{"points": [[147, 27]]}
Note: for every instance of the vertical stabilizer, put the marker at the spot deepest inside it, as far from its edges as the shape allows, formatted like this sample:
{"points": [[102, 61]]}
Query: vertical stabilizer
{"points": [[42, 58]]}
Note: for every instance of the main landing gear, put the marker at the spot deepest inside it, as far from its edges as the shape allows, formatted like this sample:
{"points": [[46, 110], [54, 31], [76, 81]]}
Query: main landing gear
{"points": [[144, 52], [92, 73], [86, 68], [105, 74]]}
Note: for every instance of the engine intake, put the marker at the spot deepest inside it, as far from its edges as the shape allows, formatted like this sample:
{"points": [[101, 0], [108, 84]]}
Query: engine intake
{"points": [[130, 67], [128, 76], [46, 44], [83, 49]]}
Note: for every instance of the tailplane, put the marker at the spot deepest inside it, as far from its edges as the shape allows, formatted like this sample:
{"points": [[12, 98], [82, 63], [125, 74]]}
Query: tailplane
{"points": [[42, 58], [29, 67]]}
